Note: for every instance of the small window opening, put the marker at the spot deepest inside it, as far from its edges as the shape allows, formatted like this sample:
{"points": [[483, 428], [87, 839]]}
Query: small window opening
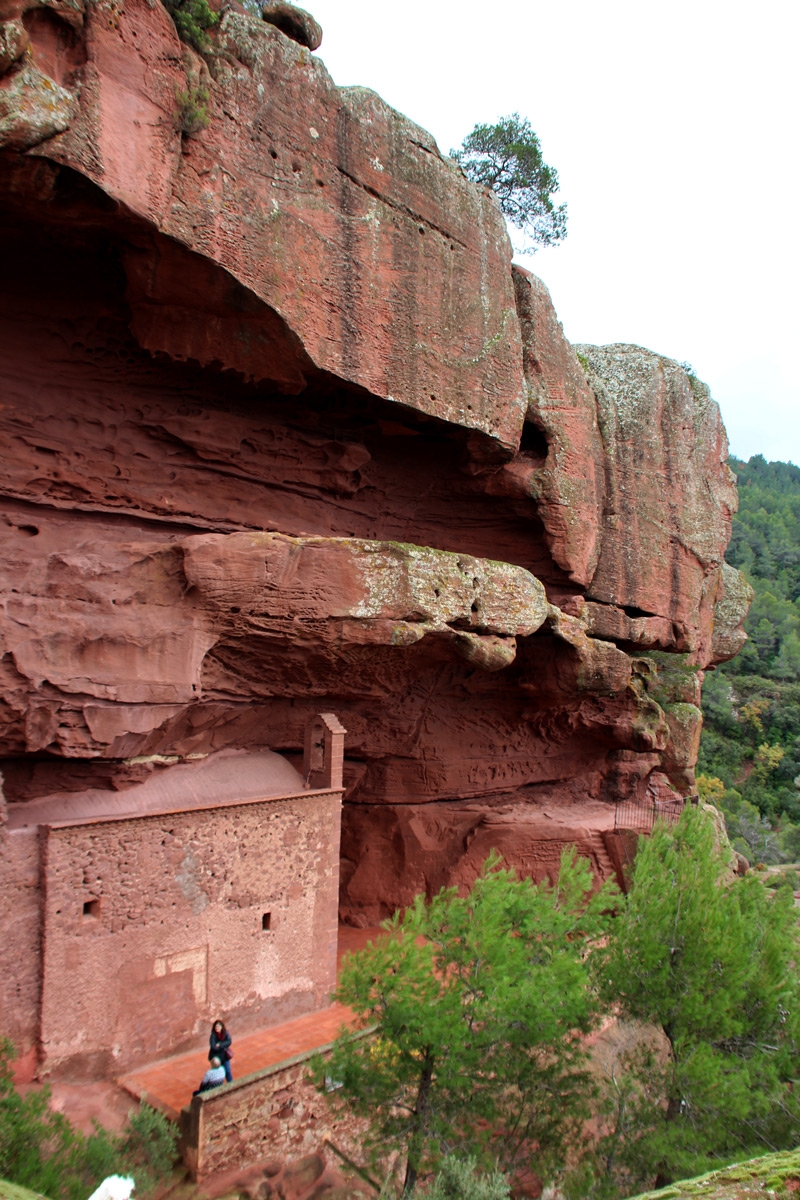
{"points": [[318, 752], [91, 908], [266, 921]]}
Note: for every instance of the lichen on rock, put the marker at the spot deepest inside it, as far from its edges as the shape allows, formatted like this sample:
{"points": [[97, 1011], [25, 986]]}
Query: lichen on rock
{"points": [[33, 107]]}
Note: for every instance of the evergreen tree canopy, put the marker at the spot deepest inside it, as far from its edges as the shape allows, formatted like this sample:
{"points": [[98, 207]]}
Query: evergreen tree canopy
{"points": [[480, 1005], [507, 158], [714, 963], [751, 705]]}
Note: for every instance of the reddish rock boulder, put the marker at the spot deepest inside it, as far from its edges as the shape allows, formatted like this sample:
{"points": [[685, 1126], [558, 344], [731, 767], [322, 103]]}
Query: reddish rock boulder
{"points": [[296, 23]]}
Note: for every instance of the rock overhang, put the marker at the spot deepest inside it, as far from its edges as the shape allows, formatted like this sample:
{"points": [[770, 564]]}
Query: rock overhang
{"points": [[335, 214]]}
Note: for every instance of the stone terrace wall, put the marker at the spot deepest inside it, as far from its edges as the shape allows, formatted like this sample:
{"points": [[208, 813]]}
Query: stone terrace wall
{"points": [[155, 925], [276, 1113]]}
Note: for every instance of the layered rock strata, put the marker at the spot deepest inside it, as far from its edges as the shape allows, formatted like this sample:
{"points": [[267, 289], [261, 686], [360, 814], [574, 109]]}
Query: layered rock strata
{"points": [[283, 431]]}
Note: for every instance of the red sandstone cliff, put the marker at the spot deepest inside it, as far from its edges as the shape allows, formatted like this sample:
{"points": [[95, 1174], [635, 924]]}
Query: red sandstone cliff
{"points": [[283, 431]]}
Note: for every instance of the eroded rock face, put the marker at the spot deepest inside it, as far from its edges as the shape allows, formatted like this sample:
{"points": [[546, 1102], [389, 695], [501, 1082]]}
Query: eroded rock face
{"points": [[283, 433], [312, 207], [569, 484], [670, 495], [733, 602]]}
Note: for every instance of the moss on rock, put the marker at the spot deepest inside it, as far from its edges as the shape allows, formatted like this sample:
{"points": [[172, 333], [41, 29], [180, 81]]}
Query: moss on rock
{"points": [[774, 1175]]}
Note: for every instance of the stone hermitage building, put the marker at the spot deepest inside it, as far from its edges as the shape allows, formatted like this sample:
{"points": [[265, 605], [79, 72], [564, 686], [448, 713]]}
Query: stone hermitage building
{"points": [[200, 899], [284, 433]]}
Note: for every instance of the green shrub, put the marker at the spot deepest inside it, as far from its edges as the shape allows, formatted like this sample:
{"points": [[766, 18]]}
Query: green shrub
{"points": [[786, 878], [192, 114], [192, 18], [458, 1179], [40, 1150]]}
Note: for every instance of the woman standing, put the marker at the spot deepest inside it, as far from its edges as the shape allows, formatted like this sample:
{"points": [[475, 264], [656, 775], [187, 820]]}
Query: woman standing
{"points": [[220, 1047]]}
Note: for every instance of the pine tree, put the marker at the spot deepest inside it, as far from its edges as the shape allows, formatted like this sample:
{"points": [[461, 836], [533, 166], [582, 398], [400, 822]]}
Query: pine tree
{"points": [[479, 1006], [507, 158], [714, 963]]}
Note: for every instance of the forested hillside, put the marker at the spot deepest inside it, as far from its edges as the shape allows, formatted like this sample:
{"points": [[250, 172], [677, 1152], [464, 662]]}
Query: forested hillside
{"points": [[750, 751]]}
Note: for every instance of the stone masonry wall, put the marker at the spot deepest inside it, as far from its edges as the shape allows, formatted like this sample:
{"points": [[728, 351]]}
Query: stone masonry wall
{"points": [[20, 920], [276, 1113], [155, 925]]}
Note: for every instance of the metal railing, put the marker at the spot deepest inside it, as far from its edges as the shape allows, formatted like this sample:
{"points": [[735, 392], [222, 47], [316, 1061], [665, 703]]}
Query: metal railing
{"points": [[641, 815]]}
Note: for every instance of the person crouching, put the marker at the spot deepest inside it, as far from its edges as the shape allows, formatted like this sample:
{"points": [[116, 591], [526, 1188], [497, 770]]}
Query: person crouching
{"points": [[214, 1076]]}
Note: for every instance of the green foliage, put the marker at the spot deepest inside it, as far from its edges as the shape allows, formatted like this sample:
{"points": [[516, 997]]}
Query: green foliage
{"points": [[192, 20], [751, 705], [714, 964], [459, 1179], [507, 158], [480, 1006], [148, 1147], [787, 878], [769, 1175], [192, 114], [39, 1149]]}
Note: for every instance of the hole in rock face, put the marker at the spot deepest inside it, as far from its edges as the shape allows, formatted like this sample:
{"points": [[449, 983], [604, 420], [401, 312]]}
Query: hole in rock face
{"points": [[273, 153], [28, 530], [533, 443], [630, 610], [296, 165], [91, 909], [266, 921]]}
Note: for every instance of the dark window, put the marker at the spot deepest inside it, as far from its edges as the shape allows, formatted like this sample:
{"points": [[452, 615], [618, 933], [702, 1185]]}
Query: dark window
{"points": [[91, 908], [266, 920]]}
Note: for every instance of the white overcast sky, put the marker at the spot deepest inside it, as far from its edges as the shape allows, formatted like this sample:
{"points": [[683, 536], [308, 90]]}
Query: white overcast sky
{"points": [[674, 129]]}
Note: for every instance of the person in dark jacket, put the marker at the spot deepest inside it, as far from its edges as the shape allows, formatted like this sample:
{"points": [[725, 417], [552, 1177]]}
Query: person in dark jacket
{"points": [[220, 1047]]}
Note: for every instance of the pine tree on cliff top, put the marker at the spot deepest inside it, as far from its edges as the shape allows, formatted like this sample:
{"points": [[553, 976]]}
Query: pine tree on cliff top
{"points": [[507, 159]]}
